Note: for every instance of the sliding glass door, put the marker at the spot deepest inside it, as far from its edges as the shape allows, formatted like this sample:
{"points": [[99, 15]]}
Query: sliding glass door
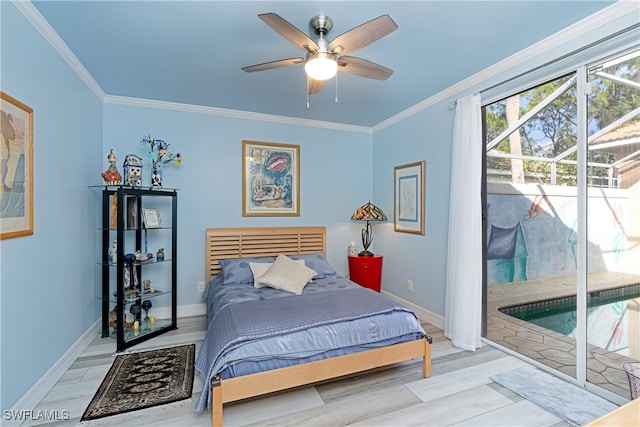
{"points": [[531, 222], [613, 231], [562, 237]]}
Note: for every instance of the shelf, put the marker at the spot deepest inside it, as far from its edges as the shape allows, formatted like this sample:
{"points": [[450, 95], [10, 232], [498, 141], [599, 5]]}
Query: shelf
{"points": [[144, 329], [135, 229], [130, 187], [137, 263], [129, 300], [127, 209], [149, 261]]}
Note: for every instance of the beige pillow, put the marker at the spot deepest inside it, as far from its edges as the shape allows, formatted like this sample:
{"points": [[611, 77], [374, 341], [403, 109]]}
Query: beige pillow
{"points": [[286, 275], [259, 268]]}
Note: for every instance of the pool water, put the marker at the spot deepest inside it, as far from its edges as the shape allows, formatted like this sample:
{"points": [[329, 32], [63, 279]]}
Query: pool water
{"points": [[607, 320]]}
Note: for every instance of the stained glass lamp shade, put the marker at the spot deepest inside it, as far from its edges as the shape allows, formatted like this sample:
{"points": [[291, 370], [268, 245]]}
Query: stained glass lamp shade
{"points": [[368, 212]]}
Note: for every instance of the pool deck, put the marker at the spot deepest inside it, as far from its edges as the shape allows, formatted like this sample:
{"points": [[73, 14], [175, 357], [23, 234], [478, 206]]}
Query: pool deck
{"points": [[604, 368]]}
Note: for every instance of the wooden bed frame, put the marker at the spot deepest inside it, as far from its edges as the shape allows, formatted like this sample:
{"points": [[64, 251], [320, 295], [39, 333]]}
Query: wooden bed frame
{"points": [[226, 243]]}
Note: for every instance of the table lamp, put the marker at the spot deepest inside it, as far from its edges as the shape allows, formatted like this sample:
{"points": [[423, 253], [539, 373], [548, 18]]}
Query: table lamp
{"points": [[368, 212]]}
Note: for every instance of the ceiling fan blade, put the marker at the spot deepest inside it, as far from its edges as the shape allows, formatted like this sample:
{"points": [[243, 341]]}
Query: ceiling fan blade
{"points": [[363, 35], [314, 86], [273, 64], [363, 68], [289, 32]]}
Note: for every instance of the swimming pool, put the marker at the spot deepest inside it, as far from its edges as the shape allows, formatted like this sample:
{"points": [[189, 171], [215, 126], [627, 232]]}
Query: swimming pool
{"points": [[607, 320]]}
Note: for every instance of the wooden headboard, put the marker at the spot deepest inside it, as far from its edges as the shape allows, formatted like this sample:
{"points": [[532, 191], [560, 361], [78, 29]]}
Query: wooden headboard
{"points": [[226, 243]]}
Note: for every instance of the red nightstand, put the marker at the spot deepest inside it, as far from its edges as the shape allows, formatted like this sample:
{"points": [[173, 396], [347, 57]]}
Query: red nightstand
{"points": [[366, 271]]}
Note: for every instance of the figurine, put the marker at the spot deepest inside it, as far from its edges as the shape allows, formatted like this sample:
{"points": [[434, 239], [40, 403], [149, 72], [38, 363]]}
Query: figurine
{"points": [[132, 170], [140, 256], [111, 176], [113, 252], [130, 275], [113, 316], [147, 286]]}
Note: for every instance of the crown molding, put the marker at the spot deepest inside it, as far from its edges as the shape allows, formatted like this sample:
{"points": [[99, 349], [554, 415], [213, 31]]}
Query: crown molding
{"points": [[566, 35], [214, 111], [39, 23]]}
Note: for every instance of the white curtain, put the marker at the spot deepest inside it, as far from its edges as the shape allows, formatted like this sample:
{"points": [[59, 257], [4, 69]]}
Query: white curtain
{"points": [[463, 304]]}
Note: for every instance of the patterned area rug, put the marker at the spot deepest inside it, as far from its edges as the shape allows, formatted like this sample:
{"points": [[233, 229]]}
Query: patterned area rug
{"points": [[142, 380], [569, 402]]}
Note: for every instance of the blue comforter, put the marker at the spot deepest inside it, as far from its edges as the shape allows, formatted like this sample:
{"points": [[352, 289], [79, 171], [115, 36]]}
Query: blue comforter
{"points": [[251, 330]]}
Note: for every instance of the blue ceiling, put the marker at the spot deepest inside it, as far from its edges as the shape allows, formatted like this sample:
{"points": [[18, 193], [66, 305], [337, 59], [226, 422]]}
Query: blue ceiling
{"points": [[192, 52]]}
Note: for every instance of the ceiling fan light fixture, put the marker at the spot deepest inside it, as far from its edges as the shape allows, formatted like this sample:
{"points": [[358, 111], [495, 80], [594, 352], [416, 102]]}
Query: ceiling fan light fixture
{"points": [[321, 66]]}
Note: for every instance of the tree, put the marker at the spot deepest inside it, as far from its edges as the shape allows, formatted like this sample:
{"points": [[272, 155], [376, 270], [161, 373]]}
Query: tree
{"points": [[611, 100], [512, 111], [553, 130]]}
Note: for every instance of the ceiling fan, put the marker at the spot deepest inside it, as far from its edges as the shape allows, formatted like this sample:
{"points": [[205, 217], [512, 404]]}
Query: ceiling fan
{"points": [[324, 58]]}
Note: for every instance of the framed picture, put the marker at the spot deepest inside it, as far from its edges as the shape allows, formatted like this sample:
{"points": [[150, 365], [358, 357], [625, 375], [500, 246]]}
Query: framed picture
{"points": [[270, 179], [151, 218], [16, 168], [132, 212], [408, 195]]}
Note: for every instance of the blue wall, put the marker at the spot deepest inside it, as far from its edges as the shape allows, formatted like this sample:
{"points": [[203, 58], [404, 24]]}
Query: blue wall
{"points": [[50, 281], [426, 136], [48, 290], [335, 171]]}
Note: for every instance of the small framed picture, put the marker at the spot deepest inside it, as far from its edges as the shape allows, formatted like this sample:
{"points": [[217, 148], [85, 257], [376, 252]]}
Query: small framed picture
{"points": [[409, 193], [151, 218]]}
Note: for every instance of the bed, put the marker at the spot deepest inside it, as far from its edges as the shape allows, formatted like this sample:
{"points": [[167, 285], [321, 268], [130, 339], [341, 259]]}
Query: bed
{"points": [[251, 348]]}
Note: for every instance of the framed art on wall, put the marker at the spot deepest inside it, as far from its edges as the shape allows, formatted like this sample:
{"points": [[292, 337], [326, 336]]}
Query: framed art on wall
{"points": [[16, 168], [409, 195], [270, 179]]}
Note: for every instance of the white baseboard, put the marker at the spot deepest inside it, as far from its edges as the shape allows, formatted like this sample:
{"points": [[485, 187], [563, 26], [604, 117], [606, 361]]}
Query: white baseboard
{"points": [[39, 390], [182, 311], [424, 314]]}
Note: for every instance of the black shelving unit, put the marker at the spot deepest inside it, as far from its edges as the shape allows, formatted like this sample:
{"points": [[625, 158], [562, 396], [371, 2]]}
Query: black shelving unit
{"points": [[131, 236]]}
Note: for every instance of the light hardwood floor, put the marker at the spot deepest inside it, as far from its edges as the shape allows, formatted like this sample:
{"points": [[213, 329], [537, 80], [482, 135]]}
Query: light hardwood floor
{"points": [[459, 392]]}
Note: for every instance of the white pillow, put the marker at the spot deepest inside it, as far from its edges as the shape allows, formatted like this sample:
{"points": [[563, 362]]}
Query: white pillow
{"points": [[259, 268], [287, 275]]}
